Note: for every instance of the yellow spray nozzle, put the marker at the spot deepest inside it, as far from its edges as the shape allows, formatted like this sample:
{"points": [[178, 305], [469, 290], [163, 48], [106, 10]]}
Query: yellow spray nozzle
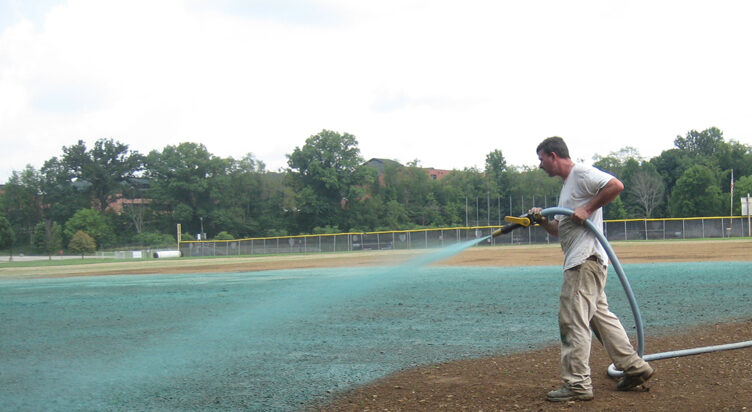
{"points": [[523, 221], [517, 222]]}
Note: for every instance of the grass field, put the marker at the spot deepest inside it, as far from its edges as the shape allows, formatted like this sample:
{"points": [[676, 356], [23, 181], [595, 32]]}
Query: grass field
{"points": [[282, 332]]}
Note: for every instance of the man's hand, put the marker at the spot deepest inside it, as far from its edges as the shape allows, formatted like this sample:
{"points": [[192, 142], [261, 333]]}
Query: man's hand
{"points": [[602, 198], [535, 210], [551, 226], [579, 215]]}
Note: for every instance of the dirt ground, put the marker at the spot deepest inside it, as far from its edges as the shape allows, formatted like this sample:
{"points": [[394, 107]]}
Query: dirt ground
{"points": [[719, 381]]}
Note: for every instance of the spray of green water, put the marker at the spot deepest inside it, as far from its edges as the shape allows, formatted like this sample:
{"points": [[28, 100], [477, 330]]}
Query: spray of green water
{"points": [[444, 253], [242, 326]]}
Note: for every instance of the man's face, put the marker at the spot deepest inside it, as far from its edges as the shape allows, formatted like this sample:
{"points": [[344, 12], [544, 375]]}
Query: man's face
{"points": [[546, 162]]}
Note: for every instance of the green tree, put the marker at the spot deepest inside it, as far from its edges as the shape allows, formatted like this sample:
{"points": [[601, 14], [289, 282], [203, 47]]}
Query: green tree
{"points": [[93, 223], [735, 156], [22, 203], [742, 187], [616, 162], [155, 239], [461, 194], [646, 190], [224, 236], [327, 173], [615, 209], [696, 193], [533, 187], [498, 172], [62, 196], [107, 167], [412, 187], [7, 236], [82, 243], [181, 179], [671, 164], [276, 206], [135, 207], [705, 143], [48, 237], [239, 198]]}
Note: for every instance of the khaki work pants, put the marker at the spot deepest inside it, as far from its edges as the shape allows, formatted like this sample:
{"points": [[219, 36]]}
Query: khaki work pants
{"points": [[582, 306]]}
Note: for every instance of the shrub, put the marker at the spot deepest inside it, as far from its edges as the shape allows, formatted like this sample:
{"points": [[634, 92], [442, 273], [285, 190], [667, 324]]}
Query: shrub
{"points": [[82, 243], [223, 235], [153, 239]]}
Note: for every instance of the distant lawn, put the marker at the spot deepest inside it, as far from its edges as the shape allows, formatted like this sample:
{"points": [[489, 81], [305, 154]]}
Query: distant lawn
{"points": [[59, 262], [91, 260]]}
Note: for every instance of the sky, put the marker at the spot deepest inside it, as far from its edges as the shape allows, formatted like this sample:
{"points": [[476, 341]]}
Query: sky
{"points": [[443, 82]]}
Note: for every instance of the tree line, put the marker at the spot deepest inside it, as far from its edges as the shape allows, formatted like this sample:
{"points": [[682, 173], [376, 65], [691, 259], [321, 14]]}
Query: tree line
{"points": [[115, 196]]}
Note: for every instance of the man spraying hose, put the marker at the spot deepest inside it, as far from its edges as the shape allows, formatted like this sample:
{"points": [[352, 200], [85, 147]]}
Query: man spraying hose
{"points": [[582, 303]]}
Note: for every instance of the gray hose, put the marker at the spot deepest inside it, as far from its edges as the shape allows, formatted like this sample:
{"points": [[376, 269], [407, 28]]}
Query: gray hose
{"points": [[612, 371], [619, 271]]}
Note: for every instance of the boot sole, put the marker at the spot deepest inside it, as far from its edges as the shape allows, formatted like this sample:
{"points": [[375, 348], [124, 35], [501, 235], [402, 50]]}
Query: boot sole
{"points": [[631, 382], [571, 398]]}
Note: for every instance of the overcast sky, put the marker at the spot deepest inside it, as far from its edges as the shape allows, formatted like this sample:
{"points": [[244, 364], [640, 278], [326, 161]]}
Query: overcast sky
{"points": [[444, 82]]}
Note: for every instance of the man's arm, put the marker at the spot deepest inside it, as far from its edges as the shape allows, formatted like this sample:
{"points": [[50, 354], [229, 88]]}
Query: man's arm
{"points": [[607, 194]]}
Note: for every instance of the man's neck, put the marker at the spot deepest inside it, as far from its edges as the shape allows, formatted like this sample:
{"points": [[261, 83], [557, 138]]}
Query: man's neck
{"points": [[566, 168]]}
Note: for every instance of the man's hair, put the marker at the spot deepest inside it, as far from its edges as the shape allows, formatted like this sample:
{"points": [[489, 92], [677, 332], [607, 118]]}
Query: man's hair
{"points": [[554, 144]]}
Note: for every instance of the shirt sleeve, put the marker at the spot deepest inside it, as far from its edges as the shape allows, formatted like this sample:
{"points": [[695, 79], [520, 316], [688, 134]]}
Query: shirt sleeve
{"points": [[595, 179]]}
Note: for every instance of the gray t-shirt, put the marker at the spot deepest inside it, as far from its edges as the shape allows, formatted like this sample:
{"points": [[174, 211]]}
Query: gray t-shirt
{"points": [[577, 242]]}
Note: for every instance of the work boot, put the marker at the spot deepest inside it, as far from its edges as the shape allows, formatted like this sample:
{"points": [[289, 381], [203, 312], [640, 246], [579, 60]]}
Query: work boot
{"points": [[637, 378], [567, 394]]}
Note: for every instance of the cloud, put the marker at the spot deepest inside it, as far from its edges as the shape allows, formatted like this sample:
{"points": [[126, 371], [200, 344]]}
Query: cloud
{"points": [[386, 102], [68, 98], [440, 81], [291, 12]]}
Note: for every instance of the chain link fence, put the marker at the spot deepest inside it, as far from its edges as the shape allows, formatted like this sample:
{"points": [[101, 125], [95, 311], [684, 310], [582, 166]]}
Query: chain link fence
{"points": [[615, 230]]}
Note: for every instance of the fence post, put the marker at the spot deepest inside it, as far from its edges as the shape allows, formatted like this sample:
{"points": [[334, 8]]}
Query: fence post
{"points": [[530, 233]]}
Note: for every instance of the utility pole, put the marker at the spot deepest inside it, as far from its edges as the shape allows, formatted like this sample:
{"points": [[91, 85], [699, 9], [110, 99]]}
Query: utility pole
{"points": [[749, 226], [488, 208], [731, 213], [466, 222], [731, 203]]}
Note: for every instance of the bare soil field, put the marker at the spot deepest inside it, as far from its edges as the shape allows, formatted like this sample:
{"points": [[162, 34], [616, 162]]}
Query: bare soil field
{"points": [[715, 381], [627, 252]]}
